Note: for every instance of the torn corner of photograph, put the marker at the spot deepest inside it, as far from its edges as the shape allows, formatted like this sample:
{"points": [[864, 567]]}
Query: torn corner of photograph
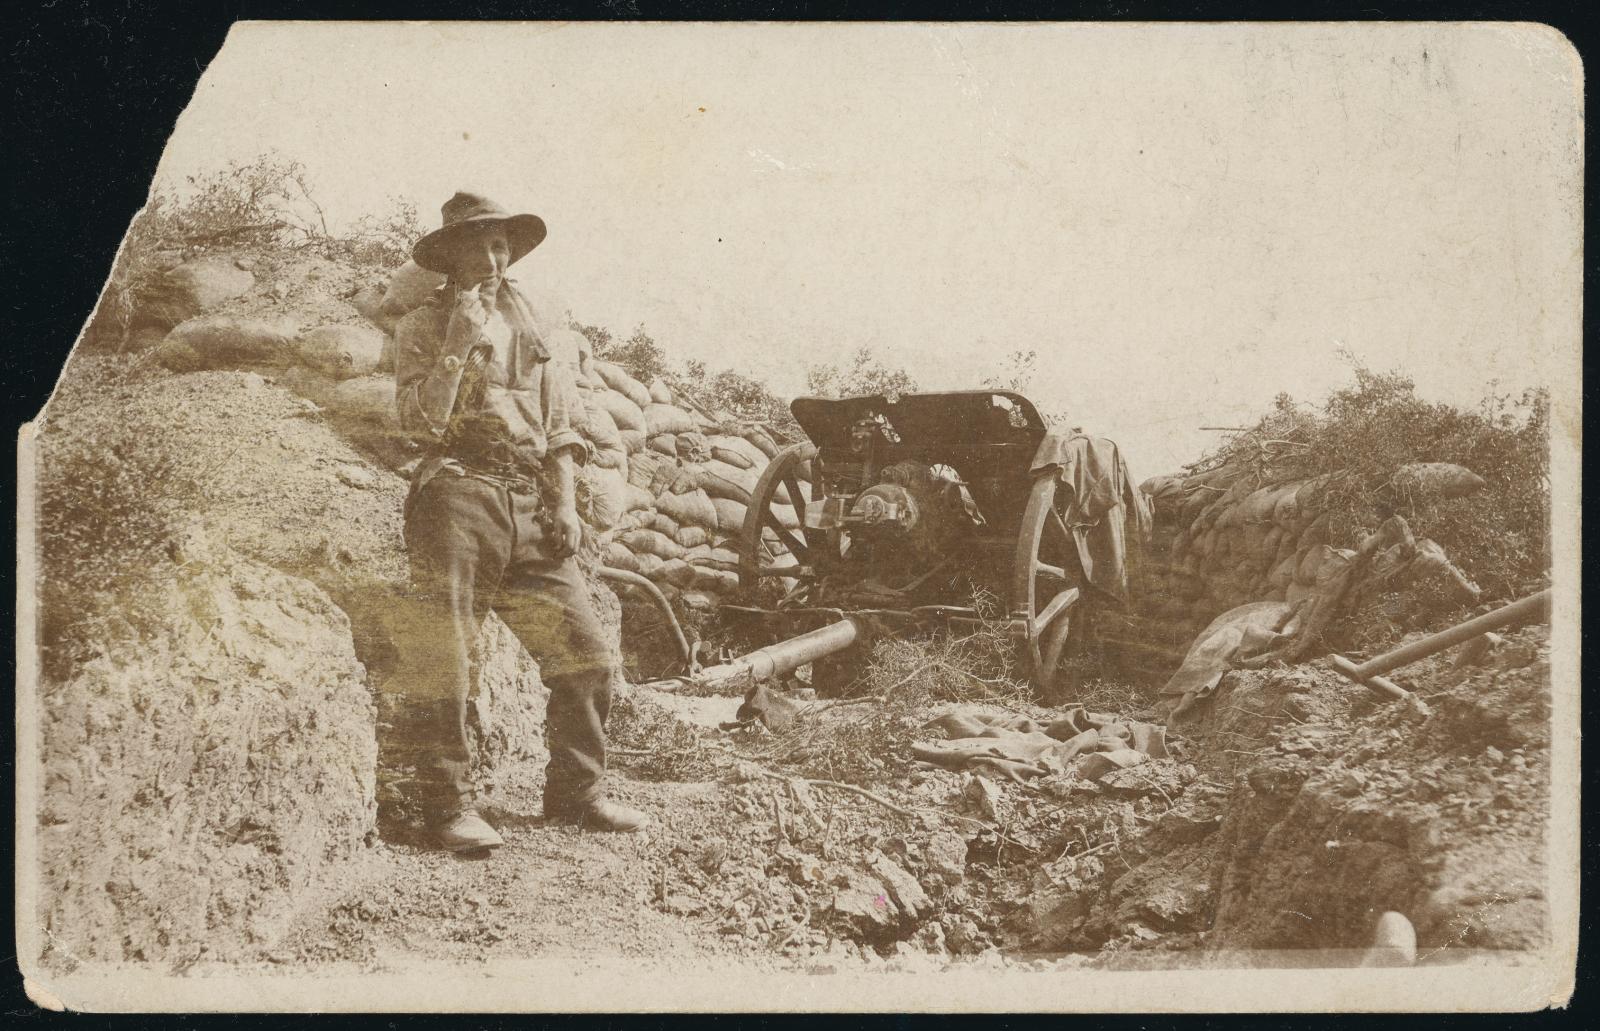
{"points": [[899, 517]]}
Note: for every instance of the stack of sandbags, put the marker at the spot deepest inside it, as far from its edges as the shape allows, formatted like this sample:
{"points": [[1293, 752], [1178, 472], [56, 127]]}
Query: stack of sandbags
{"points": [[1230, 539], [686, 479]]}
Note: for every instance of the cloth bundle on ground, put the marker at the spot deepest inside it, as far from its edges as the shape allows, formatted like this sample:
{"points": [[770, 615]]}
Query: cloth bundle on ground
{"points": [[1090, 745], [1102, 495]]}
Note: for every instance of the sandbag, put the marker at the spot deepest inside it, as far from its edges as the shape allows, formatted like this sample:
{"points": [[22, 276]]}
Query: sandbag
{"points": [[698, 553], [638, 498], [341, 351], [566, 345], [660, 393], [759, 437], [662, 523], [642, 542], [1444, 479], [632, 440], [719, 581], [409, 289], [733, 458], [663, 444], [697, 601], [649, 565], [738, 451], [730, 515], [687, 478], [725, 559], [1258, 506], [691, 536], [1337, 561], [1287, 510], [227, 342], [642, 469], [691, 509], [600, 430], [662, 418], [1311, 559], [677, 572], [693, 447], [618, 379], [617, 556], [721, 480], [625, 415], [608, 490]]}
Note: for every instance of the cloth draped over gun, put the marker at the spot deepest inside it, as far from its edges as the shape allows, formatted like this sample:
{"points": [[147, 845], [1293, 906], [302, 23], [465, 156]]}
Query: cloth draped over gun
{"points": [[1102, 497]]}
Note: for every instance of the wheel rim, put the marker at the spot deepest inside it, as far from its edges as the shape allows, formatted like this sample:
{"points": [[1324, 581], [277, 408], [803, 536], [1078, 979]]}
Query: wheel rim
{"points": [[1045, 590], [779, 484]]}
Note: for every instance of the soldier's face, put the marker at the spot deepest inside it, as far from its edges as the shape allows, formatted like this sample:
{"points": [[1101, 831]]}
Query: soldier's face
{"points": [[481, 255]]}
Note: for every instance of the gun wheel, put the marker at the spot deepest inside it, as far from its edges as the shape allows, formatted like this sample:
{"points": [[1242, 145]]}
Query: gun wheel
{"points": [[1046, 595]]}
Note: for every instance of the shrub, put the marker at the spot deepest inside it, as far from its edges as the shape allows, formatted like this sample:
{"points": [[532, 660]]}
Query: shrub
{"points": [[266, 202], [863, 375], [1362, 433], [112, 501]]}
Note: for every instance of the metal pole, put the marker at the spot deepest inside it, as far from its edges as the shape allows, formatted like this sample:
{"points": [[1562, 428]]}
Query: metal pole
{"points": [[1516, 612], [785, 656], [632, 579], [1370, 673]]}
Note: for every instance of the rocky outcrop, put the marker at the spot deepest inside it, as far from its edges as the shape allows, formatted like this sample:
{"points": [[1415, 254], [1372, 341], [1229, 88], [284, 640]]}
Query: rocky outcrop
{"points": [[200, 777]]}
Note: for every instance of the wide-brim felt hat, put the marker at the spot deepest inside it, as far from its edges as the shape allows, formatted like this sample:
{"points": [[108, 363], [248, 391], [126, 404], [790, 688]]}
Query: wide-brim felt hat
{"points": [[466, 212]]}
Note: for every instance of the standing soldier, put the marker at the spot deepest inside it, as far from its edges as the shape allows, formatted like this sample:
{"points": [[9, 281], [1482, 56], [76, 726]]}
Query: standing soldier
{"points": [[491, 523]]}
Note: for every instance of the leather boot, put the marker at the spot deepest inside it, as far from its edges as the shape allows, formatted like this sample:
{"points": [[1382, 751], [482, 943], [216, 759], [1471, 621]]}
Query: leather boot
{"points": [[467, 832], [601, 816]]}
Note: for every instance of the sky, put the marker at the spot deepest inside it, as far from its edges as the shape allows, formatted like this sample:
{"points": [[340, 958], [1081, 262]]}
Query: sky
{"points": [[1181, 220]]}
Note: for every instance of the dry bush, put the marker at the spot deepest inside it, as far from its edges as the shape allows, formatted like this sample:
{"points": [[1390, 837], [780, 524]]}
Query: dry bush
{"points": [[1363, 433], [267, 202], [113, 499]]}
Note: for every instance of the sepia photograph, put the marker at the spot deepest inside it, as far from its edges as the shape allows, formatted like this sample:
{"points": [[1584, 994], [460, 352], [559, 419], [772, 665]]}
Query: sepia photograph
{"points": [[812, 517]]}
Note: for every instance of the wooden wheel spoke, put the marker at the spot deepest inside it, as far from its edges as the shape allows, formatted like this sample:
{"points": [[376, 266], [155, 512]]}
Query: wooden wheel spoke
{"points": [[797, 500], [1053, 519], [1046, 568], [1057, 607], [796, 545], [1054, 643]]}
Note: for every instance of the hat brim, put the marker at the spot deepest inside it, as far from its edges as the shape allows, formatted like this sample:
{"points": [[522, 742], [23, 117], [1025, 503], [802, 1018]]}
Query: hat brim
{"points": [[523, 233]]}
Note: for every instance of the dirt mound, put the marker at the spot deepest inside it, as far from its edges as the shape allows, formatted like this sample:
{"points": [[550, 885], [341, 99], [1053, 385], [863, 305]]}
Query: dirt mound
{"points": [[1432, 807], [199, 778]]}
